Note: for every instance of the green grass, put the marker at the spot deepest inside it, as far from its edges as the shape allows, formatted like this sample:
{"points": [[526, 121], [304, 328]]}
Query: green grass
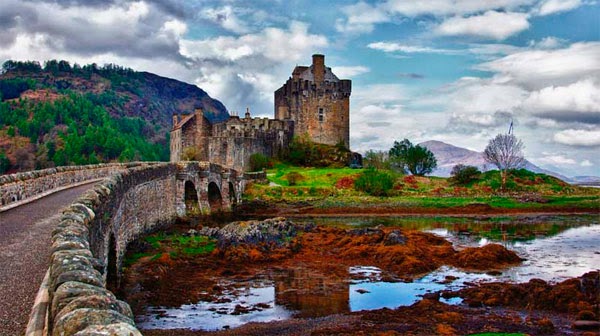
{"points": [[176, 245], [318, 186], [312, 177]]}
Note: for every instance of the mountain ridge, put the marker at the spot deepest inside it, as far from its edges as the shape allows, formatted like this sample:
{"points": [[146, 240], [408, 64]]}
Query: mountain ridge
{"points": [[449, 155]]}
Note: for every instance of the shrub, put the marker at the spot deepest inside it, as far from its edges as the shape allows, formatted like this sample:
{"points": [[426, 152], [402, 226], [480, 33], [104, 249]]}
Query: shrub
{"points": [[345, 182], [4, 163], [293, 178], [191, 153], [258, 162], [463, 175], [374, 182]]}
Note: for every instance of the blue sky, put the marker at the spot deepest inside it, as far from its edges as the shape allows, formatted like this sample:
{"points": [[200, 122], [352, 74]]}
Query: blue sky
{"points": [[451, 70]]}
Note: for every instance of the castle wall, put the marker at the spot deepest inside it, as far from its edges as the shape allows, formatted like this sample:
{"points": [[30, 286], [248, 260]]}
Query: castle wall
{"points": [[234, 141]]}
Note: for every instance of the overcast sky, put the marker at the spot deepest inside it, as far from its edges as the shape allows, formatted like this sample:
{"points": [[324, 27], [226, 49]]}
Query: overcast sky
{"points": [[451, 70]]}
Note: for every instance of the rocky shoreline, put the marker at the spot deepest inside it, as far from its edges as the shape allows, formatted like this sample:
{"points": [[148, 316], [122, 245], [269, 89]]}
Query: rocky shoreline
{"points": [[246, 250]]}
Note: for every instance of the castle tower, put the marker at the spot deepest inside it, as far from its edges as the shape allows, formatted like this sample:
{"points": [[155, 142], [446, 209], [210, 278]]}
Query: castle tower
{"points": [[317, 101]]}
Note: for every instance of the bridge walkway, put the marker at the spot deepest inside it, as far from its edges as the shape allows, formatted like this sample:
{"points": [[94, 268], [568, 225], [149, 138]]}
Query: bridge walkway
{"points": [[24, 251]]}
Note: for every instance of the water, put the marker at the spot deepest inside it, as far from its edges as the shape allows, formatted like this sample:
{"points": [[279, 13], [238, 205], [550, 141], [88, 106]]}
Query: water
{"points": [[556, 248]]}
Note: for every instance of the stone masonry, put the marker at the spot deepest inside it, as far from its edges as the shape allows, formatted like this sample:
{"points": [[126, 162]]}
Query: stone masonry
{"points": [[318, 102], [313, 101]]}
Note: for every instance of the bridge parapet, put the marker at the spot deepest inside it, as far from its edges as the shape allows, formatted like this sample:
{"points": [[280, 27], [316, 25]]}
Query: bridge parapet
{"points": [[19, 188], [90, 241]]}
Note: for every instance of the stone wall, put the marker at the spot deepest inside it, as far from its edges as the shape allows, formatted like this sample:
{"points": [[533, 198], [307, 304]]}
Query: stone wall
{"points": [[19, 187], [89, 242]]}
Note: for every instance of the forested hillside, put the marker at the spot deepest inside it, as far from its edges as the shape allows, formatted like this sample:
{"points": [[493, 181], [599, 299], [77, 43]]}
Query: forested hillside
{"points": [[60, 114]]}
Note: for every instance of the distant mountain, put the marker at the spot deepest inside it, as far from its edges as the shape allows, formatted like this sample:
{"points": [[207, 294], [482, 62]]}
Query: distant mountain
{"points": [[448, 156], [62, 114]]}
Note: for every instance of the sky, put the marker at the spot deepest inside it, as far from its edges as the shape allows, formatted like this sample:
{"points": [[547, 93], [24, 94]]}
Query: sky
{"points": [[456, 71]]}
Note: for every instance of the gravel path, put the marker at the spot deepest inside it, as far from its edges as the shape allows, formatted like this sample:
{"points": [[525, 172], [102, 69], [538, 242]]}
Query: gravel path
{"points": [[24, 252]]}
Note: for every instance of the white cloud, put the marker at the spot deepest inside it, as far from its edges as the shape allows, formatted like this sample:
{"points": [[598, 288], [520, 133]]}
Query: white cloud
{"points": [[450, 7], [390, 47], [491, 24], [548, 7], [349, 71], [360, 18], [586, 163], [549, 42], [556, 159], [578, 137], [582, 96], [537, 69], [226, 18]]}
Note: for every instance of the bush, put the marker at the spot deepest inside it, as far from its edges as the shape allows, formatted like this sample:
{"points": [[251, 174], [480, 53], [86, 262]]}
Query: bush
{"points": [[374, 182], [463, 175], [4, 163], [191, 154], [259, 162], [293, 178]]}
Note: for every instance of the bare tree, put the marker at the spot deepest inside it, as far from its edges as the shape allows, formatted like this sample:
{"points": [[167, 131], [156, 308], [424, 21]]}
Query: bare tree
{"points": [[505, 152]]}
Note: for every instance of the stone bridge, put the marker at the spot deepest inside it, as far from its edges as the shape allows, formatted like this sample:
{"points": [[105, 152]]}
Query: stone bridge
{"points": [[91, 238]]}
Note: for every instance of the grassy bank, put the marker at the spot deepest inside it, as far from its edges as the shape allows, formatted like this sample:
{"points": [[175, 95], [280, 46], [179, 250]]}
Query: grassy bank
{"points": [[325, 188]]}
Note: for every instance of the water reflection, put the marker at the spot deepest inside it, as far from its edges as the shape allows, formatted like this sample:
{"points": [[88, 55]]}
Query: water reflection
{"points": [[556, 248]]}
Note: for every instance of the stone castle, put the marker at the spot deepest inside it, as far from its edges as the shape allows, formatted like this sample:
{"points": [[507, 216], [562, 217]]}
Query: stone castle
{"points": [[313, 101]]}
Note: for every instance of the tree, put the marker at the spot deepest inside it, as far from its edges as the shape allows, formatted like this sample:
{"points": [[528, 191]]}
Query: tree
{"points": [[462, 174], [505, 152], [376, 159], [417, 160]]}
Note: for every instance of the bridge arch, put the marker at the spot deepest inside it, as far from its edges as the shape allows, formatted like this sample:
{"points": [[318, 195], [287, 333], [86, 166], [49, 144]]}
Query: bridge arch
{"points": [[192, 205], [215, 199], [232, 194]]}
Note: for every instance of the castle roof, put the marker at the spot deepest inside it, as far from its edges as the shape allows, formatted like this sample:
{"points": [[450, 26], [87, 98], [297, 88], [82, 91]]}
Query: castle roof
{"points": [[306, 73], [184, 121]]}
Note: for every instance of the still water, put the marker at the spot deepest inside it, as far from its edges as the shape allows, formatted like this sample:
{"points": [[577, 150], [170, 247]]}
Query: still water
{"points": [[555, 248]]}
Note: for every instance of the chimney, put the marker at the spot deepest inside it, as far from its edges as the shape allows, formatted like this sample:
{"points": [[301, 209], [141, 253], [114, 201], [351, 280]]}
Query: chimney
{"points": [[175, 120], [318, 64], [247, 113]]}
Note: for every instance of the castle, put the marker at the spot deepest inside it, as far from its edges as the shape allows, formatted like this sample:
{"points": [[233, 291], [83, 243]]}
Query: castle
{"points": [[313, 101]]}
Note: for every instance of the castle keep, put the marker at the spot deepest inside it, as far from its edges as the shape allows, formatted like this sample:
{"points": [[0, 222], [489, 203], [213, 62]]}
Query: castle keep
{"points": [[318, 102], [313, 101]]}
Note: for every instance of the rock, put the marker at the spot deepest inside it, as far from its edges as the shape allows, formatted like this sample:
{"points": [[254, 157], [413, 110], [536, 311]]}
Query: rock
{"points": [[362, 291], [586, 325], [365, 231], [88, 276], [274, 230], [96, 301], [80, 319], [115, 329], [69, 291], [394, 238]]}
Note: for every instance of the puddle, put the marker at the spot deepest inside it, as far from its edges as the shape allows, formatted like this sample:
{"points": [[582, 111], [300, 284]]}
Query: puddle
{"points": [[556, 248]]}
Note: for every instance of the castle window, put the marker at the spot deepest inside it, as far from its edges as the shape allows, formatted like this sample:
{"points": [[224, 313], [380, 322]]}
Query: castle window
{"points": [[320, 114]]}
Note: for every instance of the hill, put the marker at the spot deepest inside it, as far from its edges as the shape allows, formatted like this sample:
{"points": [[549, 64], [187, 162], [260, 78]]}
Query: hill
{"points": [[89, 113], [448, 156]]}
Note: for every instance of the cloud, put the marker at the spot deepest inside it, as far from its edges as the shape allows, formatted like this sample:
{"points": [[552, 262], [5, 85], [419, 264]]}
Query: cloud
{"points": [[556, 159], [586, 163], [548, 7], [537, 69], [491, 24], [577, 102], [350, 71], [549, 42], [578, 137], [226, 18], [390, 47], [360, 18], [450, 7], [411, 75]]}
